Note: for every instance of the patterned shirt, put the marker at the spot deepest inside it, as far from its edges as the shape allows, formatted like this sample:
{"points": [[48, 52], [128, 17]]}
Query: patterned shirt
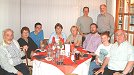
{"points": [[10, 56], [92, 42], [102, 51]]}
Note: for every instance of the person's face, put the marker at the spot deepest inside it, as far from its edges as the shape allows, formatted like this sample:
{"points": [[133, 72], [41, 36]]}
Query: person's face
{"points": [[25, 34], [58, 30], [86, 11], [93, 29], [120, 36], [103, 9], [74, 31], [38, 28], [104, 38], [8, 36]]}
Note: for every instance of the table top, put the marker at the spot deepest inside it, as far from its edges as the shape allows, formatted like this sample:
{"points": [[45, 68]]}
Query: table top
{"points": [[67, 66]]}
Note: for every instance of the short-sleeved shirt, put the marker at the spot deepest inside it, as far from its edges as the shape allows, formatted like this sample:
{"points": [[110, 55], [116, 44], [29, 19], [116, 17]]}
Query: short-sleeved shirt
{"points": [[84, 23], [120, 55], [37, 37], [78, 38], [102, 51]]}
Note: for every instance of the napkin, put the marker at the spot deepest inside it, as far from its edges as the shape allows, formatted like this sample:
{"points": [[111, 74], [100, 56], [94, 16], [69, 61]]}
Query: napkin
{"points": [[67, 61]]}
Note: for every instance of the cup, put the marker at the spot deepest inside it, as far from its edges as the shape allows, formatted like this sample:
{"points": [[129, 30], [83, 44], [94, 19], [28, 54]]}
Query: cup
{"points": [[77, 55]]}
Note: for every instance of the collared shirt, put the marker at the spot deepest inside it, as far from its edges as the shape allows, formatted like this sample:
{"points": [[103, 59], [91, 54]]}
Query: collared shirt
{"points": [[13, 54], [56, 37], [92, 42], [78, 38], [84, 23], [105, 23], [120, 55], [10, 58], [102, 51], [37, 37]]}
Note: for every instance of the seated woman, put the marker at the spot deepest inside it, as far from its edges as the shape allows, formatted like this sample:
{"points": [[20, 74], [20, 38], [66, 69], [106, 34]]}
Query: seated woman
{"points": [[57, 34], [101, 52], [26, 40], [74, 37]]}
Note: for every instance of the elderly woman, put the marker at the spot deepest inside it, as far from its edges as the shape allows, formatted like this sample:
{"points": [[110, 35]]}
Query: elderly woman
{"points": [[58, 33], [10, 55], [25, 40], [74, 37]]}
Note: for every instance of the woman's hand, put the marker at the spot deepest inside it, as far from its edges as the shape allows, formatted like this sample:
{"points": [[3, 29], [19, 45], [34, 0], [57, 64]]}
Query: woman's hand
{"points": [[25, 48]]}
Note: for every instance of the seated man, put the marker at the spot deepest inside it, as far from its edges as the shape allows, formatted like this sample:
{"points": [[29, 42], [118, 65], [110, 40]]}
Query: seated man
{"points": [[37, 35], [120, 58], [10, 55], [93, 40]]}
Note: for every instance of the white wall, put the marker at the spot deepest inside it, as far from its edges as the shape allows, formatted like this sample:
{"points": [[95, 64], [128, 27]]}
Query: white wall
{"points": [[10, 16], [49, 12]]}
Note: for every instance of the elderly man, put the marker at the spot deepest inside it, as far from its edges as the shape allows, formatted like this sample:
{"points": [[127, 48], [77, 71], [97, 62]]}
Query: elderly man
{"points": [[120, 58], [10, 55], [105, 21]]}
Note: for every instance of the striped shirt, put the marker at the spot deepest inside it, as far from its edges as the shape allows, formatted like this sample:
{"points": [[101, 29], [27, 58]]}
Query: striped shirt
{"points": [[10, 56]]}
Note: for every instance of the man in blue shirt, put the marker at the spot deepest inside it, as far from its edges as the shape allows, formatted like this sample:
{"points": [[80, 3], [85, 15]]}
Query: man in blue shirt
{"points": [[38, 34]]}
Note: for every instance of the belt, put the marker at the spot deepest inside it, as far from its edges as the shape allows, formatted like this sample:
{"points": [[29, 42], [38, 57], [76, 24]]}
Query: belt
{"points": [[85, 33]]}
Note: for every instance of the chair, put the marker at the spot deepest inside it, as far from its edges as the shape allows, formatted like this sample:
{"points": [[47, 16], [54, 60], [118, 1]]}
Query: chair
{"points": [[28, 62]]}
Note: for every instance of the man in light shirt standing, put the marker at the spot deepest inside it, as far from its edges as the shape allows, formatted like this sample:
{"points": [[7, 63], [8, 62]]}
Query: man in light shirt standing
{"points": [[10, 55], [105, 21], [120, 58], [83, 22]]}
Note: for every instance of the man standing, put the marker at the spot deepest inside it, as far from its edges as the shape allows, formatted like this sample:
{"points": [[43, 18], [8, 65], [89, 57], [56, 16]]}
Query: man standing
{"points": [[93, 40], [84, 21], [120, 57], [105, 21], [37, 35], [10, 55]]}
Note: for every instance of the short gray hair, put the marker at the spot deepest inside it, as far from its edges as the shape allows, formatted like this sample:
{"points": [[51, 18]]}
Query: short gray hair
{"points": [[6, 30], [103, 5]]}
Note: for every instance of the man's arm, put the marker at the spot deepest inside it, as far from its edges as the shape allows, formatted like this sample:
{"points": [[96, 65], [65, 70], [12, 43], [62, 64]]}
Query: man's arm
{"points": [[78, 25], [128, 67], [4, 62], [105, 62], [112, 25]]}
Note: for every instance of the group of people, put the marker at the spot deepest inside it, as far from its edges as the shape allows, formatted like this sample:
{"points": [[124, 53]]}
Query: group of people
{"points": [[117, 58]]}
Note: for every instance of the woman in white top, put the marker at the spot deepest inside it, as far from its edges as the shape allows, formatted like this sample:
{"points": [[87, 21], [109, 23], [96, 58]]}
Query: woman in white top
{"points": [[57, 34], [101, 52]]}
